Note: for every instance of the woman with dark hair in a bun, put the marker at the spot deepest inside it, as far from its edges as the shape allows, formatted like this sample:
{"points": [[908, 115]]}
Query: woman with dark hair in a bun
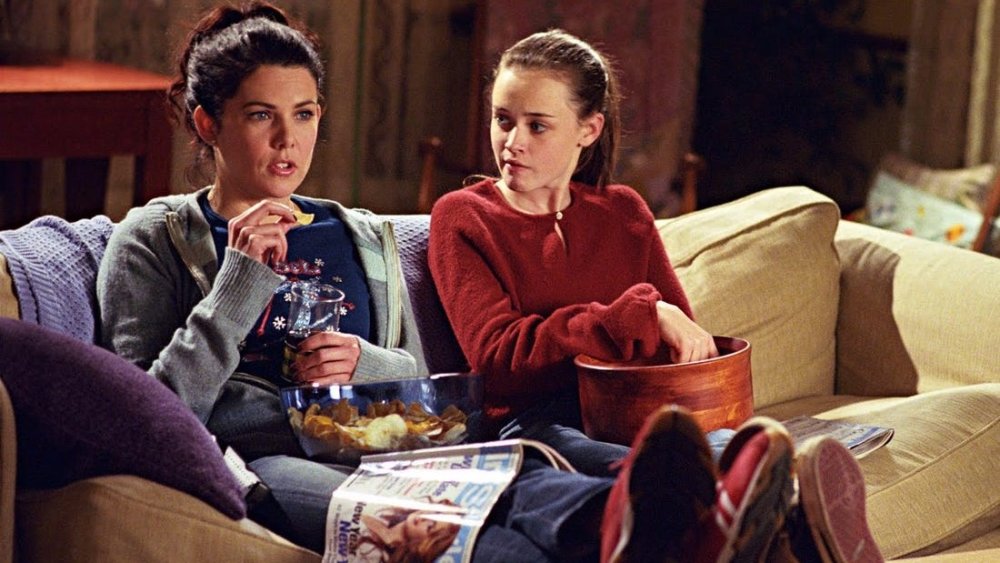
{"points": [[193, 287]]}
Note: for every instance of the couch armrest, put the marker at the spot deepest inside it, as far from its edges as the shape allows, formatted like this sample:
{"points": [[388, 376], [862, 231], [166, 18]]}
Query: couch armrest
{"points": [[8, 298], [914, 315], [8, 474]]}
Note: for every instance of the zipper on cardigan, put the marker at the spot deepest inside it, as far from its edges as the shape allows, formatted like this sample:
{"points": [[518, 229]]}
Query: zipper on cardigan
{"points": [[394, 299], [175, 230]]}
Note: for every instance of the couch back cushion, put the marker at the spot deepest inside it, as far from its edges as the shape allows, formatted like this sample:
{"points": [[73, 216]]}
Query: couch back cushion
{"points": [[764, 268], [441, 349], [83, 412]]}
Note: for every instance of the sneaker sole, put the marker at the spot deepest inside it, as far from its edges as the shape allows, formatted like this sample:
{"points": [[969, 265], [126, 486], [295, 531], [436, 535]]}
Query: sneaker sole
{"points": [[680, 474], [832, 495], [767, 502]]}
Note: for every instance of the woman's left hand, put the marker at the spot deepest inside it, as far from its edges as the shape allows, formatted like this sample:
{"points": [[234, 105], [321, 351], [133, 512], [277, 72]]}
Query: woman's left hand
{"points": [[327, 358]]}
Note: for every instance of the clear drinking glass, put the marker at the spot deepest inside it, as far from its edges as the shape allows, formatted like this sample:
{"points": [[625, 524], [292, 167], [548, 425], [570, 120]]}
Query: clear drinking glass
{"points": [[314, 307]]}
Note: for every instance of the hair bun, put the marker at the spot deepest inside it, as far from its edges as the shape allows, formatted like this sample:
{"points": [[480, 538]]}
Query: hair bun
{"points": [[267, 11], [226, 16]]}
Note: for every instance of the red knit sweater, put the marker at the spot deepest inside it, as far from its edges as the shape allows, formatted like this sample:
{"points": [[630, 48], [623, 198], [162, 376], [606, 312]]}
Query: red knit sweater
{"points": [[522, 306]]}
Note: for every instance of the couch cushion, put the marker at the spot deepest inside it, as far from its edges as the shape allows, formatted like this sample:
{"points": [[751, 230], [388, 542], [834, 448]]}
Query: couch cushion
{"points": [[82, 411], [933, 486], [96, 520], [764, 268], [8, 475], [441, 350]]}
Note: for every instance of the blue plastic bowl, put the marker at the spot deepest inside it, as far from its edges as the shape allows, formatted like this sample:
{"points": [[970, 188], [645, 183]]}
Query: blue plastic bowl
{"points": [[433, 395]]}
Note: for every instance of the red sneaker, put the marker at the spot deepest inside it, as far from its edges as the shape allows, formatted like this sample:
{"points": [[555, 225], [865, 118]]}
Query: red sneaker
{"points": [[753, 494], [832, 502], [666, 485]]}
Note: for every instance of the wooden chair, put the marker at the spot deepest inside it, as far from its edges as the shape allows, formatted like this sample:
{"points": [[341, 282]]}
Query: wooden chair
{"points": [[692, 167], [427, 193], [82, 112], [991, 209]]}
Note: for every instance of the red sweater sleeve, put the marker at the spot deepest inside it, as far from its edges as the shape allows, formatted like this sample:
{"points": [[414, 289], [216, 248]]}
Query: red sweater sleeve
{"points": [[663, 276], [525, 354]]}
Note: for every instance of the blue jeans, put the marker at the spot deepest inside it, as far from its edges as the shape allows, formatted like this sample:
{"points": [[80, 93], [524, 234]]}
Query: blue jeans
{"points": [[251, 420], [300, 496], [557, 422], [551, 515], [535, 519], [544, 515]]}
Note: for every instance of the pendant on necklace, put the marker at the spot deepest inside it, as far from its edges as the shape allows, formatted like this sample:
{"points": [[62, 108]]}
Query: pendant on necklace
{"points": [[558, 215]]}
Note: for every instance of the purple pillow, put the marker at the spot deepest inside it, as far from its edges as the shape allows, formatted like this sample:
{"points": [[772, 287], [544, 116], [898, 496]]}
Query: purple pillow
{"points": [[83, 412]]}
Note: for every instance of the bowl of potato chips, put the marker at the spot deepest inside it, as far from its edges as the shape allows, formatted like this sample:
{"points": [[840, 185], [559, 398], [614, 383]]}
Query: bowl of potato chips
{"points": [[341, 423]]}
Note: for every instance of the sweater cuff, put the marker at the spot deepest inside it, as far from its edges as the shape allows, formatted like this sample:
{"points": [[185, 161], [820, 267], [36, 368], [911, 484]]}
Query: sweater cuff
{"points": [[378, 364], [242, 288], [631, 321]]}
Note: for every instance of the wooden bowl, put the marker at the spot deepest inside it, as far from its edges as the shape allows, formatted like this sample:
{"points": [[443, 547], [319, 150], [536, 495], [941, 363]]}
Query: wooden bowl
{"points": [[616, 397]]}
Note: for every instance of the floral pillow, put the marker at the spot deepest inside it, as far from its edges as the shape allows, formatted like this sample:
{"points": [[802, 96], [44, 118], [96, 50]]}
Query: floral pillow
{"points": [[938, 205], [897, 206], [965, 186]]}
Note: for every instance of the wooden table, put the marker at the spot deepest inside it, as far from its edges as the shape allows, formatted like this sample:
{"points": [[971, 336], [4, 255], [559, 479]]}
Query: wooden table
{"points": [[85, 112]]}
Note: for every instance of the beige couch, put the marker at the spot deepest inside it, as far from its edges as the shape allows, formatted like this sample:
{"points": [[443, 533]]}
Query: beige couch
{"points": [[846, 322]]}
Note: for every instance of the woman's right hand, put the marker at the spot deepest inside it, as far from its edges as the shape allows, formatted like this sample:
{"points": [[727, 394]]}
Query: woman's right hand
{"points": [[259, 232], [688, 342]]}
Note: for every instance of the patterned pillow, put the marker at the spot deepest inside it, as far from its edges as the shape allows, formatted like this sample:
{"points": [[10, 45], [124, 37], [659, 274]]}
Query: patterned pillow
{"points": [[932, 209], [967, 187], [83, 412], [897, 206]]}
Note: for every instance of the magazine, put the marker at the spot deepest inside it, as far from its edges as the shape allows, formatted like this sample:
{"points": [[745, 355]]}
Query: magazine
{"points": [[860, 439], [425, 503]]}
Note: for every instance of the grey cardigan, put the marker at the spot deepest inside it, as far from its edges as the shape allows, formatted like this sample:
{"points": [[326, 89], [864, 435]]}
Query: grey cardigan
{"points": [[167, 306]]}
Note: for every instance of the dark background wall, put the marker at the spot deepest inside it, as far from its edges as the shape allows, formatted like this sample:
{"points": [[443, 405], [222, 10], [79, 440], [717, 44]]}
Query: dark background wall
{"points": [[794, 92], [769, 92]]}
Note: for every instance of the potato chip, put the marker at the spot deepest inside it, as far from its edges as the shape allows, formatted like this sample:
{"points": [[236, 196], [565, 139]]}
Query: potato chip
{"points": [[386, 426]]}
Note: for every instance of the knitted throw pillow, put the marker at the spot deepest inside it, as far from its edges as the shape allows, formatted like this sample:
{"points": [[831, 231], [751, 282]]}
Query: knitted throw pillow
{"points": [[84, 412]]}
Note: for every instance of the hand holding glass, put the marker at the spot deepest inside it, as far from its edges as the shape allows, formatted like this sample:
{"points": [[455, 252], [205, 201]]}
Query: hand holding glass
{"points": [[313, 308]]}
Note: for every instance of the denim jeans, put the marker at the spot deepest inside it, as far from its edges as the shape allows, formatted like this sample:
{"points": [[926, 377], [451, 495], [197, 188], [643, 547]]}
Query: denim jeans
{"points": [[551, 515], [544, 515], [557, 422], [251, 420], [300, 496]]}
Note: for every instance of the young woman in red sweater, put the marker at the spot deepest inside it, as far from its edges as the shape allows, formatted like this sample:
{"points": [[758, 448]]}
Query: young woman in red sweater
{"points": [[550, 260]]}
